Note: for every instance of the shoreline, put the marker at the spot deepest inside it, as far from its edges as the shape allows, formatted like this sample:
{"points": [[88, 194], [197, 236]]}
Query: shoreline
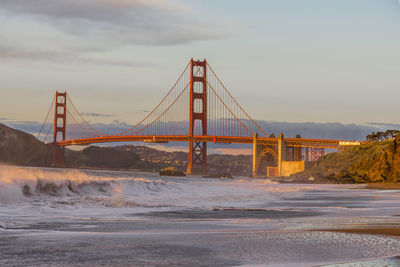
{"points": [[383, 186], [281, 180], [387, 231]]}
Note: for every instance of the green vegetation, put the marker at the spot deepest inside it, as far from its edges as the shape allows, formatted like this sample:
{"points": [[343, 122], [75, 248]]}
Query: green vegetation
{"points": [[374, 162], [380, 136]]}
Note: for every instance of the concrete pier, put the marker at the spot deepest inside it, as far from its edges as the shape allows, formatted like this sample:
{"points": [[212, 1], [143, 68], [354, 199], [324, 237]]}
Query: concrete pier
{"points": [[285, 166]]}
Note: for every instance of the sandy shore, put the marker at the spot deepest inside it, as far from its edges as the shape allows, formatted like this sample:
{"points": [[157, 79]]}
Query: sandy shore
{"points": [[380, 186], [390, 231], [384, 186]]}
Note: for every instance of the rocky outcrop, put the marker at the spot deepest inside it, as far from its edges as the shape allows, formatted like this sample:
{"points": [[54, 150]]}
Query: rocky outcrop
{"points": [[374, 162], [171, 171], [224, 175]]}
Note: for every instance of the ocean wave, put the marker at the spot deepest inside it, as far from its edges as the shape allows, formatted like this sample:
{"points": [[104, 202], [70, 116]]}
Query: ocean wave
{"points": [[19, 183], [118, 189]]}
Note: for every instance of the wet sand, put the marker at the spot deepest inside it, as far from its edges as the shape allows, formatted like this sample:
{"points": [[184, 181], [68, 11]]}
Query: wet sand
{"points": [[186, 242], [392, 231], [119, 219], [232, 213], [384, 186]]}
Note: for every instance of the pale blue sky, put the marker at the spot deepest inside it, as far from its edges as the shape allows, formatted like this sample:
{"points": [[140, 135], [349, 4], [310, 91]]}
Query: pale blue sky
{"points": [[284, 60]]}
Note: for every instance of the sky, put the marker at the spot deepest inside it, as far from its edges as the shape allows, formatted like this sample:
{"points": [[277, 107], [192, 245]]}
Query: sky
{"points": [[283, 60]]}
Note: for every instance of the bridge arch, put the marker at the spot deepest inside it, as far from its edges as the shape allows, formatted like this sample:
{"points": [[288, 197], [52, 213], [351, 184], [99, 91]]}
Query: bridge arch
{"points": [[262, 154]]}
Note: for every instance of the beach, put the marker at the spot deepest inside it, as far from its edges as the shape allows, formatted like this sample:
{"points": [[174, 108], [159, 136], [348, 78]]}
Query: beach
{"points": [[102, 218]]}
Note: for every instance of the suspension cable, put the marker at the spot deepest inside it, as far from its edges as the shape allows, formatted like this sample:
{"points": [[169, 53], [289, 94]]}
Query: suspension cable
{"points": [[165, 111], [79, 124], [173, 87], [87, 123], [248, 116], [216, 94], [48, 132], [45, 120]]}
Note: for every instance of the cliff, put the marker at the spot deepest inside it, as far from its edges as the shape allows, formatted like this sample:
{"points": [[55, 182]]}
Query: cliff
{"points": [[374, 162]]}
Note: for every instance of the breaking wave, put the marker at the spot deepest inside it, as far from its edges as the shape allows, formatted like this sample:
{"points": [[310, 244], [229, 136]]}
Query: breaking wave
{"points": [[120, 189], [19, 183]]}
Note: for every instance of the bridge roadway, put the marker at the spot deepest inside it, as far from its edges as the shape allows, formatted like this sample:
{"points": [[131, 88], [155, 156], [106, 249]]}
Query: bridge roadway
{"points": [[291, 142]]}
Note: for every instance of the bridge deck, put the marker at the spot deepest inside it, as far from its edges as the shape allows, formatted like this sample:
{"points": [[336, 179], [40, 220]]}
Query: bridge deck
{"points": [[293, 142]]}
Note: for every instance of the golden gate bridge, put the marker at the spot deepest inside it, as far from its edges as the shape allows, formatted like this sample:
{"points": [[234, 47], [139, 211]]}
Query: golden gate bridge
{"points": [[198, 109]]}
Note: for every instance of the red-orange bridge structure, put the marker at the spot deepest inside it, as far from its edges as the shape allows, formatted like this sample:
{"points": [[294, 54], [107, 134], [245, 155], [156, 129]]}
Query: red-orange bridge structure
{"points": [[198, 109]]}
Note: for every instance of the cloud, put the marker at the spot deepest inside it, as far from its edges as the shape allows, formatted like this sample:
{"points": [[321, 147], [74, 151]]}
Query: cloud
{"points": [[63, 55], [148, 22], [90, 31], [14, 52], [90, 114], [96, 10], [115, 62]]}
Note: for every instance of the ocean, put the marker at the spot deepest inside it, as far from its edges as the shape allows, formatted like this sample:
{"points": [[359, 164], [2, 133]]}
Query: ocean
{"points": [[66, 217]]}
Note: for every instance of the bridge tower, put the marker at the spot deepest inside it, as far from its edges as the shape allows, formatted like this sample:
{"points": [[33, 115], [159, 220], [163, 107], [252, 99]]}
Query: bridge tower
{"points": [[197, 113], [60, 120]]}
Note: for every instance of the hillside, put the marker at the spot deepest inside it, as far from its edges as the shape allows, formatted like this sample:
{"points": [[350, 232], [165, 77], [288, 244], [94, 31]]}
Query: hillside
{"points": [[103, 158], [239, 165], [374, 162], [20, 148], [370, 163]]}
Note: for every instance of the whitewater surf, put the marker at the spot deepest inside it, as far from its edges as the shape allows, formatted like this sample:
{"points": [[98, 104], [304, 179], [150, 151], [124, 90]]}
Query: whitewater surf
{"points": [[78, 217]]}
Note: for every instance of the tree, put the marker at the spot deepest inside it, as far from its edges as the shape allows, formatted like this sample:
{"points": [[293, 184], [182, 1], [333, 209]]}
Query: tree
{"points": [[371, 137], [391, 134], [380, 136]]}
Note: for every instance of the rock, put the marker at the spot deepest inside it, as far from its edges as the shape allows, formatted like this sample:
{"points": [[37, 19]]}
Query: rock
{"points": [[171, 171], [372, 162], [223, 175], [26, 190]]}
